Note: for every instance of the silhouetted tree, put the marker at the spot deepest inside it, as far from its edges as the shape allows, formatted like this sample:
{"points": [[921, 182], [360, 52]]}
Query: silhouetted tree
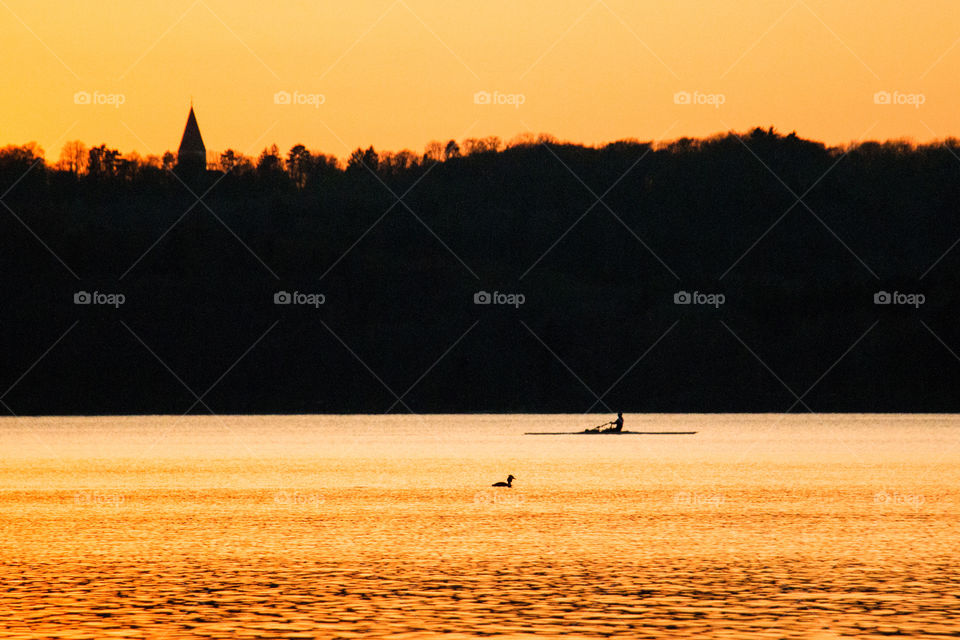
{"points": [[234, 162], [433, 152], [270, 169], [269, 160], [153, 161], [22, 166], [363, 158], [129, 168], [103, 162], [299, 165], [398, 163], [522, 140], [405, 160], [452, 150], [73, 157], [324, 170], [490, 144]]}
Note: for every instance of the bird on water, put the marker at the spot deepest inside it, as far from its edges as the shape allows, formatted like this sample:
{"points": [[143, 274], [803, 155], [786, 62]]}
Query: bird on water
{"points": [[508, 483]]}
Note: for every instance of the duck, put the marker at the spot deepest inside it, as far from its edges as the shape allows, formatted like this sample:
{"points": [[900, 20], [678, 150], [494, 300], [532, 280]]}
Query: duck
{"points": [[508, 483]]}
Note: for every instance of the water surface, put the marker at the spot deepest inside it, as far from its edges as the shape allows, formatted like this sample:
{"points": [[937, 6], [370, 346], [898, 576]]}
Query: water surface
{"points": [[385, 526]]}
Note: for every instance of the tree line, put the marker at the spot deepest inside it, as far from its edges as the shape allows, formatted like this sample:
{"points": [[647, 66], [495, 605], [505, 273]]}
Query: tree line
{"points": [[796, 236]]}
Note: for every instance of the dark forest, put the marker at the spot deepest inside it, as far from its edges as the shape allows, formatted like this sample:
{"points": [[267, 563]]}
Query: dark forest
{"points": [[817, 279]]}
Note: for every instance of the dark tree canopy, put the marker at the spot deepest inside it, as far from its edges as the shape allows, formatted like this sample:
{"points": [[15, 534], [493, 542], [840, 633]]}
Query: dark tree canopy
{"points": [[797, 237]]}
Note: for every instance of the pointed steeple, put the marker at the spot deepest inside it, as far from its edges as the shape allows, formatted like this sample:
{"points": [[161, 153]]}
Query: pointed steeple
{"points": [[192, 154]]}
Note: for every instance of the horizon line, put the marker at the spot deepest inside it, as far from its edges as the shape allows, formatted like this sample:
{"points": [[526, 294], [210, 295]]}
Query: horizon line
{"points": [[515, 142]]}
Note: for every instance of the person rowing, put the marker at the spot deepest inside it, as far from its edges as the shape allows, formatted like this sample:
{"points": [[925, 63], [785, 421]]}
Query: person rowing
{"points": [[617, 426]]}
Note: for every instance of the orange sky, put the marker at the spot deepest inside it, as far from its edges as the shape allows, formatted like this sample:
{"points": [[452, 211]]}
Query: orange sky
{"points": [[399, 73]]}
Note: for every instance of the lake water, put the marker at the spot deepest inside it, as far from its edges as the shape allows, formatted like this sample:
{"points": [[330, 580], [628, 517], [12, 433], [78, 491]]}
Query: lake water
{"points": [[762, 526]]}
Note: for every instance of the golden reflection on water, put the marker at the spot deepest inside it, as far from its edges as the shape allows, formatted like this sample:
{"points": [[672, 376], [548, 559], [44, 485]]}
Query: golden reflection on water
{"points": [[299, 527]]}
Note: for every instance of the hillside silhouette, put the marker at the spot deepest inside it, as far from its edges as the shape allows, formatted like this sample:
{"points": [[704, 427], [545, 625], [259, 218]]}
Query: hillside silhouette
{"points": [[798, 238]]}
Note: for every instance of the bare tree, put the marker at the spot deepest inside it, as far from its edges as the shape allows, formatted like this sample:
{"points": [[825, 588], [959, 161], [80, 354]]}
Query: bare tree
{"points": [[433, 152], [405, 159], [471, 146], [73, 157], [493, 143], [526, 139]]}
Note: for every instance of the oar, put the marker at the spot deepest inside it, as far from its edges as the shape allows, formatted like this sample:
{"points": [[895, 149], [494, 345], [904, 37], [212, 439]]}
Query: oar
{"points": [[598, 426]]}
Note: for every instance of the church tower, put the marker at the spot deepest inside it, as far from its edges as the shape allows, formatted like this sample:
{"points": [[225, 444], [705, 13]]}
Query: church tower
{"points": [[192, 154]]}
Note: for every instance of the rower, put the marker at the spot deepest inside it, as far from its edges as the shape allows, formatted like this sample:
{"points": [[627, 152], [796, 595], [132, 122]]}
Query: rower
{"points": [[617, 424]]}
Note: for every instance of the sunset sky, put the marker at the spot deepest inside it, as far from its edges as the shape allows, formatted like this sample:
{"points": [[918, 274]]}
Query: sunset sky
{"points": [[399, 73]]}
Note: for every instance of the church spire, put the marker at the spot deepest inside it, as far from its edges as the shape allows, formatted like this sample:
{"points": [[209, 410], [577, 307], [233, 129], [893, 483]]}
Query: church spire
{"points": [[192, 154]]}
